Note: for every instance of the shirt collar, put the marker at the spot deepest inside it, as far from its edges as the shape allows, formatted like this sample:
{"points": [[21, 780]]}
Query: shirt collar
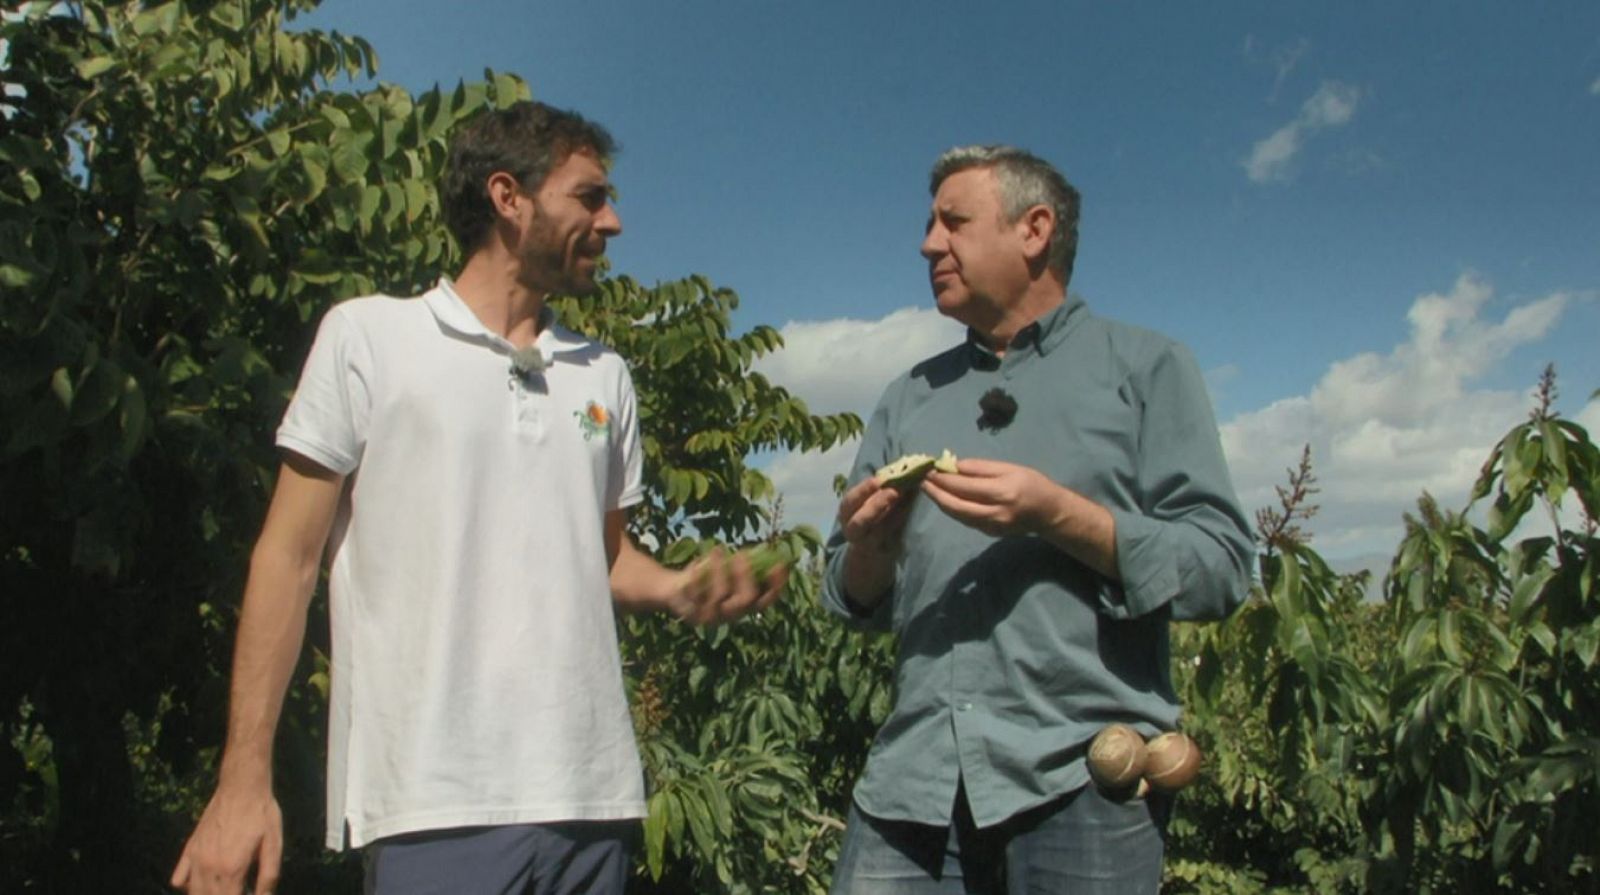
{"points": [[1044, 334], [454, 315], [1054, 326]]}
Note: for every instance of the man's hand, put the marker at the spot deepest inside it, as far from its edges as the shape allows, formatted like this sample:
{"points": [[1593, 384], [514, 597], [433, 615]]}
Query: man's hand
{"points": [[240, 828], [996, 498], [871, 516], [717, 589], [1002, 499]]}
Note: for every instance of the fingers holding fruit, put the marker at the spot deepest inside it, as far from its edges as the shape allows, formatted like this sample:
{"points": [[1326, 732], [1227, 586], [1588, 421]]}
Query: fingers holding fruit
{"points": [[873, 512], [871, 515], [719, 588]]}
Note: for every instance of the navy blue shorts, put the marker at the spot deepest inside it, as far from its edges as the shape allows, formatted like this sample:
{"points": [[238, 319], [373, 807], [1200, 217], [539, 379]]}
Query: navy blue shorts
{"points": [[566, 858]]}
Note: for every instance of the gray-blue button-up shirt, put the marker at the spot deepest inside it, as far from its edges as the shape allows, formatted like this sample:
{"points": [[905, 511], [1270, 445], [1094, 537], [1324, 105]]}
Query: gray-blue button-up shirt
{"points": [[1012, 654]]}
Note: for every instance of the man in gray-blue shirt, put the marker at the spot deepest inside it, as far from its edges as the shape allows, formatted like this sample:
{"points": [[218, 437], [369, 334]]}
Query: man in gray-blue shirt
{"points": [[1031, 590]]}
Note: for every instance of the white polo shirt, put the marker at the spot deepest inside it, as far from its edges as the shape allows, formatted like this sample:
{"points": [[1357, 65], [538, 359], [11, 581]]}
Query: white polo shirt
{"points": [[475, 673]]}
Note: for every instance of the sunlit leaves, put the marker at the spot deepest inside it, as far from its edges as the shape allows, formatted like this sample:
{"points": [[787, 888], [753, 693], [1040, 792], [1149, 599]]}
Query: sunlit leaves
{"points": [[183, 190], [1443, 740]]}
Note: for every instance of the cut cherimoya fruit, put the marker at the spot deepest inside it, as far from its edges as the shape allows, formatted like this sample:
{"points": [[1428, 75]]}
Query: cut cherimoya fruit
{"points": [[909, 469]]}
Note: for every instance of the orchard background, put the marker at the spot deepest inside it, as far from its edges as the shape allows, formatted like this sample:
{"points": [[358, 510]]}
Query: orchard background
{"points": [[185, 189]]}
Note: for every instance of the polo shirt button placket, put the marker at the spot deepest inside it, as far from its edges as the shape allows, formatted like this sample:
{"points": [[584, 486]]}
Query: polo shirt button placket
{"points": [[525, 407]]}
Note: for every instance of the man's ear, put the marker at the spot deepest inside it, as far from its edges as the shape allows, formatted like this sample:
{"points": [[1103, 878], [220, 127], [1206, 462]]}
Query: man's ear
{"points": [[1038, 225], [504, 192]]}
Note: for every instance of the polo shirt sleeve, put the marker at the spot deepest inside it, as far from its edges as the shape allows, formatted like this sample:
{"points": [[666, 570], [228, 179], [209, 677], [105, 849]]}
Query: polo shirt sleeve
{"points": [[625, 478], [873, 453], [327, 418], [1189, 545]]}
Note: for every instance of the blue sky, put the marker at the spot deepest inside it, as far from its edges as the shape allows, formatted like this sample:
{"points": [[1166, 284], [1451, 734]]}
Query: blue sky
{"points": [[1373, 223]]}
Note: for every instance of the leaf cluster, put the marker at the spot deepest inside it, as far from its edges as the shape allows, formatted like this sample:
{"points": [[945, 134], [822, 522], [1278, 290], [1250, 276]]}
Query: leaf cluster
{"points": [[183, 189], [1443, 739]]}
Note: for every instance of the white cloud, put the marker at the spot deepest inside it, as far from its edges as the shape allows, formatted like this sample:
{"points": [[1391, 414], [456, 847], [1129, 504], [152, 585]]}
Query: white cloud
{"points": [[1385, 428], [806, 483], [1333, 105], [844, 364], [1284, 59], [836, 366], [1594, 89]]}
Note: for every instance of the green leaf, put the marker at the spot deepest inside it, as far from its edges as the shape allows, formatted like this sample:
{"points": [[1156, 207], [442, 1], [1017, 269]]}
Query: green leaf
{"points": [[98, 395], [160, 18], [132, 418], [655, 836], [417, 194], [61, 387], [350, 154], [314, 164], [14, 276], [228, 14], [1555, 454], [95, 66], [508, 89], [279, 141], [1449, 630]]}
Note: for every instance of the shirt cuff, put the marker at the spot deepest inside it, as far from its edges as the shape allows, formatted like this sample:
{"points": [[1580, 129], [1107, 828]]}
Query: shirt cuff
{"points": [[1149, 571]]}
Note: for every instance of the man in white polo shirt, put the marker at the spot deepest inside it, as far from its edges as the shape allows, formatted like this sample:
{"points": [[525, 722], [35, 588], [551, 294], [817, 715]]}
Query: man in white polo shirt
{"points": [[467, 465]]}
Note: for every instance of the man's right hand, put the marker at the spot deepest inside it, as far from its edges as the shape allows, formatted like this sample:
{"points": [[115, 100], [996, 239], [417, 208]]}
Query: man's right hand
{"points": [[240, 828], [871, 515]]}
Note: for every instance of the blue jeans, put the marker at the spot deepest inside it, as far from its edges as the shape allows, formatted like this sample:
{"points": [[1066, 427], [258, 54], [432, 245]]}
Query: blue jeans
{"points": [[1081, 843], [569, 858]]}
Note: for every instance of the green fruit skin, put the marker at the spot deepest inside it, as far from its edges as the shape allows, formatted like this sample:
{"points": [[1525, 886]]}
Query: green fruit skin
{"points": [[765, 558], [910, 475]]}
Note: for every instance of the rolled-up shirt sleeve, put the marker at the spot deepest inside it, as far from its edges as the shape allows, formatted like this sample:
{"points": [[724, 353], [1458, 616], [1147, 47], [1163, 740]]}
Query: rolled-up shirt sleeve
{"points": [[1189, 544]]}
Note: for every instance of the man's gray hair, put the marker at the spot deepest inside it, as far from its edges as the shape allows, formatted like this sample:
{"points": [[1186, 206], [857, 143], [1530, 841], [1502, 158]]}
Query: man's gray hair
{"points": [[1025, 180]]}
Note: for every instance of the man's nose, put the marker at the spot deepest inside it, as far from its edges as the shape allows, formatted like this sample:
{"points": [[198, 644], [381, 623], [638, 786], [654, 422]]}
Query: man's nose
{"points": [[609, 222]]}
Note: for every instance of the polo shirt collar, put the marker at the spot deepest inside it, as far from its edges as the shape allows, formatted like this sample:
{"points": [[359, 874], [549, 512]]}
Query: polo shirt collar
{"points": [[454, 315]]}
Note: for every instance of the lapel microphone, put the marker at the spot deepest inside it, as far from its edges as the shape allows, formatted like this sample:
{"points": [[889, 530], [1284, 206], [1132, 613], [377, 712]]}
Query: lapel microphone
{"points": [[998, 409], [527, 363]]}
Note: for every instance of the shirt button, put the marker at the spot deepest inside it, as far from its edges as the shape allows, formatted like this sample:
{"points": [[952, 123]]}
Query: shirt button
{"points": [[964, 707]]}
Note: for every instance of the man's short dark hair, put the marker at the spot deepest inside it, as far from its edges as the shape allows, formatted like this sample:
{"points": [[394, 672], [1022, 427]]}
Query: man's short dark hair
{"points": [[1025, 180], [526, 140]]}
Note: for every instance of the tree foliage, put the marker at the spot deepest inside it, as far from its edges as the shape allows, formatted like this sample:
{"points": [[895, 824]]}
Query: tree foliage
{"points": [[1442, 740], [182, 193], [185, 190]]}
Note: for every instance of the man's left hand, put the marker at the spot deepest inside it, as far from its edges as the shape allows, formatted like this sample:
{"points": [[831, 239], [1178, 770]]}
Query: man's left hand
{"points": [[996, 498], [1002, 499]]}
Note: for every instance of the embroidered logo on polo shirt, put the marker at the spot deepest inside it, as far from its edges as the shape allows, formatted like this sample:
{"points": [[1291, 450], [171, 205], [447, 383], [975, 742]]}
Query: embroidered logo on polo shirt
{"points": [[594, 420]]}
